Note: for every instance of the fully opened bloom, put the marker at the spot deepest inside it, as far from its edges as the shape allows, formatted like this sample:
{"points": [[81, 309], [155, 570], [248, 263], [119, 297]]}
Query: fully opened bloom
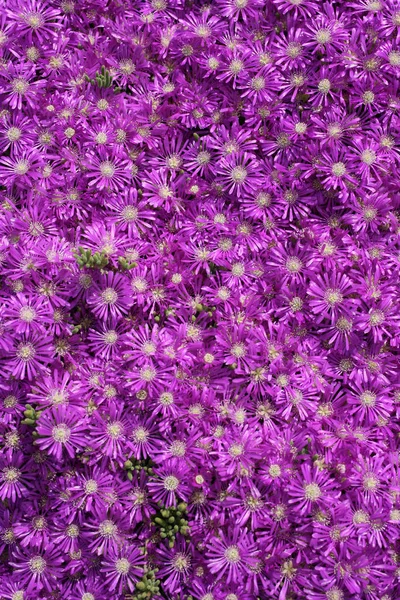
{"points": [[231, 556], [61, 430]]}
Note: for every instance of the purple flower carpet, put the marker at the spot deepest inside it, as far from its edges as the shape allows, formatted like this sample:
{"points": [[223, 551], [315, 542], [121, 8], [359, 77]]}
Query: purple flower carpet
{"points": [[199, 299]]}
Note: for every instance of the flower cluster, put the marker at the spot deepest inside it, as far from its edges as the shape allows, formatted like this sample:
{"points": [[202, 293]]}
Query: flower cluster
{"points": [[199, 299]]}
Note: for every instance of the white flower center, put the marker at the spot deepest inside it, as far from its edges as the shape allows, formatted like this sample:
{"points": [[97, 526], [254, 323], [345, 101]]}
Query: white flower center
{"points": [[109, 296], [61, 433], [107, 169], [20, 86], [26, 352], [171, 483], [122, 566], [115, 429], [232, 555], [312, 492], [37, 565], [27, 314], [21, 167], [14, 134], [339, 169]]}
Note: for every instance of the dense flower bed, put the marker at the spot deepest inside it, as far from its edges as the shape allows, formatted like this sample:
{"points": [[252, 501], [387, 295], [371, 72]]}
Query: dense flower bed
{"points": [[199, 322]]}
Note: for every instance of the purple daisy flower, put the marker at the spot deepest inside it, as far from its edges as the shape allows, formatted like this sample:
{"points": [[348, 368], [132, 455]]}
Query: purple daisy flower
{"points": [[109, 296], [123, 568], [61, 430], [231, 555]]}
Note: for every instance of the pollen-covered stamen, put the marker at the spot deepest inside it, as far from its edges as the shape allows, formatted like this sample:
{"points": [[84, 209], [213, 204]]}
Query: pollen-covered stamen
{"points": [[20, 86], [122, 566], [109, 295], [395, 515], [108, 529], [296, 304], [11, 474], [312, 492], [236, 449], [101, 138], [127, 66], [282, 380], [294, 264], [300, 128], [26, 352], [333, 296], [368, 97], [181, 562], [8, 537], [110, 337], [10, 402], [177, 448], [34, 19], [274, 471], [209, 358], [376, 318], [140, 435], [368, 399], [148, 374], [238, 350], [14, 134], [288, 570], [232, 554], [372, 64], [166, 399], [27, 314], [297, 79], [37, 565], [323, 36], [72, 531], [61, 433], [360, 517], [344, 325], [257, 83], [21, 167], [283, 140], [294, 49], [370, 482], [107, 169], [203, 158], [345, 365], [324, 86], [165, 192], [394, 58], [290, 196], [236, 66], [115, 429], [334, 593], [368, 157], [102, 105], [238, 175], [238, 269], [369, 213], [334, 130], [263, 199], [171, 483], [339, 169], [91, 486]]}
